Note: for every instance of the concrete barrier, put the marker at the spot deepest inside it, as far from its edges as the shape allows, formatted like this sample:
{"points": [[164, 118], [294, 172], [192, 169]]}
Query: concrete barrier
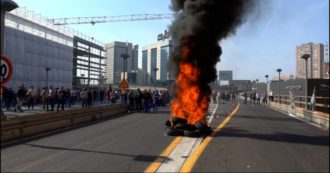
{"points": [[25, 126], [320, 119]]}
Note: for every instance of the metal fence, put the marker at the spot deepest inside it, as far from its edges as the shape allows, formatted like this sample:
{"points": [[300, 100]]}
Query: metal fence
{"points": [[321, 103]]}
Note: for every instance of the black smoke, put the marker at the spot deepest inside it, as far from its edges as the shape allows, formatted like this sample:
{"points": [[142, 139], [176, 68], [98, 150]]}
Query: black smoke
{"points": [[200, 24]]}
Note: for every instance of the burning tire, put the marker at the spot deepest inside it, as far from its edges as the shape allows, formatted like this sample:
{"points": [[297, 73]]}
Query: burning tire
{"points": [[176, 120], [169, 131], [206, 130], [192, 133], [168, 123]]}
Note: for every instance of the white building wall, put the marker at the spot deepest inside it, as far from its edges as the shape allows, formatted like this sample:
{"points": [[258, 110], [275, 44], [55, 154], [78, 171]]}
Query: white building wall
{"points": [[32, 47]]}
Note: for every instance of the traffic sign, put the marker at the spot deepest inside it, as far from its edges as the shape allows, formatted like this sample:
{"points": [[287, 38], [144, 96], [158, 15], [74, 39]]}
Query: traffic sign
{"points": [[123, 84], [6, 69]]}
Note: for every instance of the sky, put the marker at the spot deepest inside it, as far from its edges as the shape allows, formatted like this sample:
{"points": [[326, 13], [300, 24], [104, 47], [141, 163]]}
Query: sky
{"points": [[265, 42]]}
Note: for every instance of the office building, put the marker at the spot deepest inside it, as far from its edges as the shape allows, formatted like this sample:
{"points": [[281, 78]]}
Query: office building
{"points": [[41, 53], [44, 54], [88, 63], [155, 59], [115, 62], [314, 62]]}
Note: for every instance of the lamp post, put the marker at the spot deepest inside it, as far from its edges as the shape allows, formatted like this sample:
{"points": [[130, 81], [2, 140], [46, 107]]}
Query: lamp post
{"points": [[155, 70], [47, 70], [124, 56], [267, 91], [257, 80], [6, 6], [279, 82], [305, 57]]}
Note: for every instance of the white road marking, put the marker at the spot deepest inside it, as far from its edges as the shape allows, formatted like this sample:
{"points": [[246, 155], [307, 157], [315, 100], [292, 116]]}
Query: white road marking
{"points": [[182, 151]]}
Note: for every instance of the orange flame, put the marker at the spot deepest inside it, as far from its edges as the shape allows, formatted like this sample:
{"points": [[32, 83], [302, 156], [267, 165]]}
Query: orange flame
{"points": [[190, 103]]}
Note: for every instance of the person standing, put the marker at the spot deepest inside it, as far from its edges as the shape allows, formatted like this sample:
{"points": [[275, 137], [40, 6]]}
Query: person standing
{"points": [[138, 99], [146, 98], [51, 98], [61, 98], [131, 99], [8, 96], [31, 96], [44, 97], [156, 99], [84, 98], [20, 98]]}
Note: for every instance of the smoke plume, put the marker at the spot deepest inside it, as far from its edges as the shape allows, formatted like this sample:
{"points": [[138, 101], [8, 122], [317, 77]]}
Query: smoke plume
{"points": [[198, 27]]}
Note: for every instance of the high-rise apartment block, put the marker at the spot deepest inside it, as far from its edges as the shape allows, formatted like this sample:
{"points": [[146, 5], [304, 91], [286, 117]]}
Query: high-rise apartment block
{"points": [[314, 62], [115, 61]]}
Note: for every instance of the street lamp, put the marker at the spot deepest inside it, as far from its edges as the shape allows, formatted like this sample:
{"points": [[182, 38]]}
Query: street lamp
{"points": [[279, 81], [305, 57], [266, 76], [155, 70], [47, 70], [124, 56], [257, 80], [6, 6], [267, 91]]}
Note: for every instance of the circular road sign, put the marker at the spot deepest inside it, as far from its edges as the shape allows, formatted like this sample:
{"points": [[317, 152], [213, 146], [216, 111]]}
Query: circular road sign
{"points": [[6, 69]]}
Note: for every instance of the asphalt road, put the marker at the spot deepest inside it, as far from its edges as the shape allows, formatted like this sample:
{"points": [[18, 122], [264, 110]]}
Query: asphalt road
{"points": [[125, 144], [258, 139]]}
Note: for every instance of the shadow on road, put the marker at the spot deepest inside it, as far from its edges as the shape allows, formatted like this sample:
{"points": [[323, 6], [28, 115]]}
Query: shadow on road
{"points": [[267, 118], [277, 137], [142, 158]]}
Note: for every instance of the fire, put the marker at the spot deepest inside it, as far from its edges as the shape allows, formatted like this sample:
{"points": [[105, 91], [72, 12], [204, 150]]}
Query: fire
{"points": [[191, 103]]}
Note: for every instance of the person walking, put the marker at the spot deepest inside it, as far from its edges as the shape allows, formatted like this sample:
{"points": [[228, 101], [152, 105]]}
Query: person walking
{"points": [[245, 97]]}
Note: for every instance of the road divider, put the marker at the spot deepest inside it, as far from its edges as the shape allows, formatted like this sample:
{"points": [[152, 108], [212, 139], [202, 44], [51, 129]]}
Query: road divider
{"points": [[14, 128]]}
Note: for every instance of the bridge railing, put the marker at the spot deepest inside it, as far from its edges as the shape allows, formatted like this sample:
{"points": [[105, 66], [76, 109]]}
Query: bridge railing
{"points": [[321, 103]]}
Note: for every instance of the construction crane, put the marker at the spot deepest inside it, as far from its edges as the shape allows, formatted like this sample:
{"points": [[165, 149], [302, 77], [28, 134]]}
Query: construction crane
{"points": [[104, 19]]}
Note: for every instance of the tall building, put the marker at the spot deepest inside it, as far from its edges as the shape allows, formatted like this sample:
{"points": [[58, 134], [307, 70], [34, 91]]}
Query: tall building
{"points": [[326, 70], [115, 62], [314, 63], [155, 58]]}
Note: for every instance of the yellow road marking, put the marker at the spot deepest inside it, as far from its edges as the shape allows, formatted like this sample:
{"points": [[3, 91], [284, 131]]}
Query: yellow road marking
{"points": [[190, 162], [160, 159]]}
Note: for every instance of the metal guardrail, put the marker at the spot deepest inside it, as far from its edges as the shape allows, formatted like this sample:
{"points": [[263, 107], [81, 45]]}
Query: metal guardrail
{"points": [[25, 126], [321, 103]]}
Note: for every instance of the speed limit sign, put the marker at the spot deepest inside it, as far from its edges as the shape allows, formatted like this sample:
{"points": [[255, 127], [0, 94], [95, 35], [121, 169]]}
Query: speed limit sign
{"points": [[6, 69]]}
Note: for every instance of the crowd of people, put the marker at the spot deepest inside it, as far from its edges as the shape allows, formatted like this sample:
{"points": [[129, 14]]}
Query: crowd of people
{"points": [[257, 98], [51, 99]]}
